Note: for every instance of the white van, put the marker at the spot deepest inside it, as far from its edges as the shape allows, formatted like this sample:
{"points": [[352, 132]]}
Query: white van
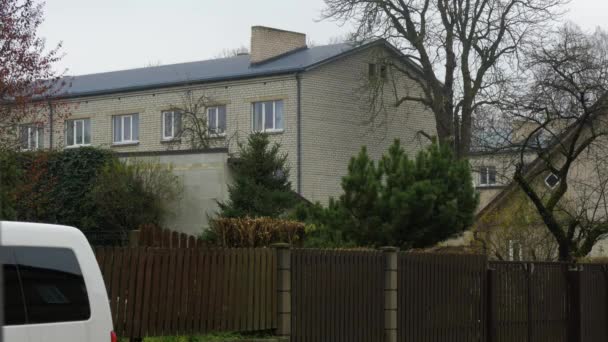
{"points": [[53, 287]]}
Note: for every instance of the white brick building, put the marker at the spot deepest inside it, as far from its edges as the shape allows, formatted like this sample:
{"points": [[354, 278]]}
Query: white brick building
{"points": [[314, 99]]}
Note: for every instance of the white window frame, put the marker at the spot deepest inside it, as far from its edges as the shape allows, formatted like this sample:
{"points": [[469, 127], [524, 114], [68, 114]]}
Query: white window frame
{"points": [[173, 124], [74, 125], [512, 249], [274, 117], [122, 119], [487, 180], [213, 130], [29, 128], [549, 185]]}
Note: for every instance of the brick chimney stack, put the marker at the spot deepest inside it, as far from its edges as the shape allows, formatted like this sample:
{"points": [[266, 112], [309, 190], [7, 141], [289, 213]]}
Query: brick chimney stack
{"points": [[267, 43]]}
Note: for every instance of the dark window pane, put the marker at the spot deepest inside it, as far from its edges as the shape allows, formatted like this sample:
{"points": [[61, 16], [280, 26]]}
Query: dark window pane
{"points": [[491, 175], [87, 131], [168, 119], [383, 71], [552, 180], [14, 309], [23, 136], [126, 121], [371, 70], [69, 133], [79, 132], [221, 119], [483, 176], [278, 114], [117, 129], [53, 286], [177, 118], [268, 115], [135, 124], [257, 116], [40, 138], [212, 119]]}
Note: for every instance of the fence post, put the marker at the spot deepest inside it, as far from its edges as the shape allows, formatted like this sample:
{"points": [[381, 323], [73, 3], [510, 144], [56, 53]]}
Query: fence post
{"points": [[390, 294], [574, 298], [283, 290]]}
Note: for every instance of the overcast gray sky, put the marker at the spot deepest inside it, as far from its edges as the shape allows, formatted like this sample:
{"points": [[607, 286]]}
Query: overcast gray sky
{"points": [[104, 35]]}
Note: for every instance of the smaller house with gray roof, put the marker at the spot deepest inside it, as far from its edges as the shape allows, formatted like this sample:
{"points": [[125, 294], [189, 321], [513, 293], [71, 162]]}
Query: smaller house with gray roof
{"points": [[314, 101]]}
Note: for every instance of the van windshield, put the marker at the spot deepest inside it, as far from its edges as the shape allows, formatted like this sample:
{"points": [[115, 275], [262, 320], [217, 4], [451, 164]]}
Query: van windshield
{"points": [[43, 285]]}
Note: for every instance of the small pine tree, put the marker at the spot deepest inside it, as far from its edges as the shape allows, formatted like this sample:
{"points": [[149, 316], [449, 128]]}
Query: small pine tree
{"points": [[400, 202], [261, 185]]}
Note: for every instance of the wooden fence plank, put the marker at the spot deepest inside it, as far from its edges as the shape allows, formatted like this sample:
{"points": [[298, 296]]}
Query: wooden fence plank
{"points": [[147, 290]]}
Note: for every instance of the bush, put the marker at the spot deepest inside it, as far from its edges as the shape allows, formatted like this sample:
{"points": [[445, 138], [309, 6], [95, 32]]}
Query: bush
{"points": [[254, 232], [88, 188], [398, 201], [128, 195]]}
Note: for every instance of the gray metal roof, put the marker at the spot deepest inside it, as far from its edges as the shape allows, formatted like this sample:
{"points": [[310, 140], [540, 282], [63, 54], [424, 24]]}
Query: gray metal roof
{"points": [[201, 71]]}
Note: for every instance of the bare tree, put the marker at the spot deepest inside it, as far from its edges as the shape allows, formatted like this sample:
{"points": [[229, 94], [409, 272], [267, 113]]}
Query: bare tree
{"points": [[564, 106], [191, 123], [226, 53], [462, 46]]}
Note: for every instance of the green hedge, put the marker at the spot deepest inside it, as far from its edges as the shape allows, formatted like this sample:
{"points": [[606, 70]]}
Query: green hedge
{"points": [[82, 187]]}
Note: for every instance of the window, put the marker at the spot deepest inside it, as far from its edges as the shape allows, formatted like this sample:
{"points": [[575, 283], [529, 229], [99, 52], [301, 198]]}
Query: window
{"points": [[552, 180], [515, 251], [172, 124], [268, 116], [383, 71], [43, 285], [487, 175], [31, 137], [371, 70], [216, 120], [125, 128], [374, 70], [78, 132]]}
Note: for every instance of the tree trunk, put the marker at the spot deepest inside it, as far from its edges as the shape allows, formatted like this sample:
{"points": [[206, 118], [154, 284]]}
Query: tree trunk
{"points": [[565, 253]]}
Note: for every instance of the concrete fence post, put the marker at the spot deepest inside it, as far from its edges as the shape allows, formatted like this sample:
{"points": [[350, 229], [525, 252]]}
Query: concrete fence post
{"points": [[390, 294], [283, 290]]}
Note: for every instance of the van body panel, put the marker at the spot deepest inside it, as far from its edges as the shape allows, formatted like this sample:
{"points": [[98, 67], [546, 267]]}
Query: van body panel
{"points": [[98, 326]]}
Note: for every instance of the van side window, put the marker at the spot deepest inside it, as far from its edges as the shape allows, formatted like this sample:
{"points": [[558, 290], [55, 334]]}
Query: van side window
{"points": [[52, 285], [14, 308]]}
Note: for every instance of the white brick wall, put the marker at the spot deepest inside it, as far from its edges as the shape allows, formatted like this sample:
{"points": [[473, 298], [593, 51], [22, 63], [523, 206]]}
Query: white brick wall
{"points": [[237, 96], [334, 110]]}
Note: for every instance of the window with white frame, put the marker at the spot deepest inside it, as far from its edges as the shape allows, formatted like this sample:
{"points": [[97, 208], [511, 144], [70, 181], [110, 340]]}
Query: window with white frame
{"points": [[30, 137], [267, 116], [487, 176], [125, 129], [216, 120], [515, 250], [172, 124], [552, 180], [78, 132]]}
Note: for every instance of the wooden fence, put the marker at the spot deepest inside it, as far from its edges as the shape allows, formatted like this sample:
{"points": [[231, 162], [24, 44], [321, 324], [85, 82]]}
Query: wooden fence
{"points": [[330, 295], [531, 302], [594, 303], [441, 297], [160, 291], [337, 296]]}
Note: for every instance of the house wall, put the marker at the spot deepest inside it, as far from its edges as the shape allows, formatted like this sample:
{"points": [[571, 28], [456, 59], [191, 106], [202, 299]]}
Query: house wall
{"points": [[237, 96], [504, 163], [204, 177], [336, 121]]}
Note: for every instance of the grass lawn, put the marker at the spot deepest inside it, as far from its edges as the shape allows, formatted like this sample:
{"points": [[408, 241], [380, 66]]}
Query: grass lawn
{"points": [[215, 337]]}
